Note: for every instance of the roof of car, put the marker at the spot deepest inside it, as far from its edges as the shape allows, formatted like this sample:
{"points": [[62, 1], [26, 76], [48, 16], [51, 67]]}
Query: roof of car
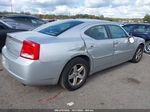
{"points": [[84, 21], [136, 24], [89, 21], [17, 15]]}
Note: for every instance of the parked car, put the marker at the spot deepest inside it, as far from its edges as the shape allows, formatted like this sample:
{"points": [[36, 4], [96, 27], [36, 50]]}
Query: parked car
{"points": [[4, 29], [49, 20], [140, 30], [67, 51], [22, 21]]}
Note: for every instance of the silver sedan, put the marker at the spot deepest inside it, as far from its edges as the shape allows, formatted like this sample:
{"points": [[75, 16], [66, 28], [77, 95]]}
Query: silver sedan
{"points": [[67, 51]]}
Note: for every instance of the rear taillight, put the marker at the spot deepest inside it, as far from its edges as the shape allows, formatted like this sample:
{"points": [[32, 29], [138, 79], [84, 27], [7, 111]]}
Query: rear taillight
{"points": [[30, 50]]}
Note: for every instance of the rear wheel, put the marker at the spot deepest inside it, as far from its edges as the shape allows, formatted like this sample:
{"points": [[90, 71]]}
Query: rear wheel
{"points": [[1, 49], [138, 54], [147, 47], [74, 74]]}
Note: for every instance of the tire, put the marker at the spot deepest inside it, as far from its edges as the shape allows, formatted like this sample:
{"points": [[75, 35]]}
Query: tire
{"points": [[74, 74], [0, 49], [138, 54], [147, 47]]}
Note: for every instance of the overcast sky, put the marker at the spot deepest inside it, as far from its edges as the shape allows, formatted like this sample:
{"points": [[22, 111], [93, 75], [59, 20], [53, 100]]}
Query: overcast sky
{"points": [[108, 8]]}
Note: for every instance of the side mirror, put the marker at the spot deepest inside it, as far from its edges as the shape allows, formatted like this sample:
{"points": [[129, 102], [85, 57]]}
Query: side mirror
{"points": [[131, 39]]}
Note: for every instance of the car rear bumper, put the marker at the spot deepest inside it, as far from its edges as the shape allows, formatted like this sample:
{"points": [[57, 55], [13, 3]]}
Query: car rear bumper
{"points": [[30, 72]]}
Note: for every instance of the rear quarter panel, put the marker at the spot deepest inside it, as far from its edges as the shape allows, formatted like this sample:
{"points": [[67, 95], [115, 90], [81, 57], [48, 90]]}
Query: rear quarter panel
{"points": [[60, 50]]}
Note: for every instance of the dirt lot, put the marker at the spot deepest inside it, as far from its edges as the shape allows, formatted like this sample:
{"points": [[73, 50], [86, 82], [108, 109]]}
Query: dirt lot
{"points": [[124, 86]]}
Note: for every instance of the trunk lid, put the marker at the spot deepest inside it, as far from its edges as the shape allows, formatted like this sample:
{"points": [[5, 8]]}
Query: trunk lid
{"points": [[14, 41]]}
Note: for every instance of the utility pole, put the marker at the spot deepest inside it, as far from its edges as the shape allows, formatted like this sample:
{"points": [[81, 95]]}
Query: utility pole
{"points": [[11, 5]]}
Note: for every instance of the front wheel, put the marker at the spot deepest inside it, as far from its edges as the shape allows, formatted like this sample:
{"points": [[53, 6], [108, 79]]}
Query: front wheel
{"points": [[147, 47], [138, 54], [74, 74]]}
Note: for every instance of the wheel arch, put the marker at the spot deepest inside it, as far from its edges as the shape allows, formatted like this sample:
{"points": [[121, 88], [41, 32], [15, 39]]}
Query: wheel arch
{"points": [[83, 56], [141, 44]]}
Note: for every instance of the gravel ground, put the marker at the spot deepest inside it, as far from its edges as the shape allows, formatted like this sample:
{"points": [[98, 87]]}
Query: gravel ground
{"points": [[125, 86]]}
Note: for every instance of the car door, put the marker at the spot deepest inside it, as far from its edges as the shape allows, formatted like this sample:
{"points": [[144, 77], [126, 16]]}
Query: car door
{"points": [[99, 46], [123, 49]]}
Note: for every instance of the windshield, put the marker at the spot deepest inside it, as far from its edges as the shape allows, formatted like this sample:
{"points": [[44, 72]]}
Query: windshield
{"points": [[58, 28]]}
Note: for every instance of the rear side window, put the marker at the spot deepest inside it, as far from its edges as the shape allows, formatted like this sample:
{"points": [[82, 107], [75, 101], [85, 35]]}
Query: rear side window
{"points": [[20, 19], [117, 32], [37, 21], [140, 28], [59, 28], [148, 29], [128, 28], [97, 32]]}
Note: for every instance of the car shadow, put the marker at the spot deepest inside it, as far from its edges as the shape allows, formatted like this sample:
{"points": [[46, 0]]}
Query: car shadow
{"points": [[48, 88], [106, 71]]}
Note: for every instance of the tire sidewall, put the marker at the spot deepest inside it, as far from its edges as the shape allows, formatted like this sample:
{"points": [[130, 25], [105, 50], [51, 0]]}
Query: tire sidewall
{"points": [[64, 76]]}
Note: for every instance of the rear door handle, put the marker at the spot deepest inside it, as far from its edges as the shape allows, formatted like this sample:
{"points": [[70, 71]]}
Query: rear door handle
{"points": [[116, 42], [91, 45]]}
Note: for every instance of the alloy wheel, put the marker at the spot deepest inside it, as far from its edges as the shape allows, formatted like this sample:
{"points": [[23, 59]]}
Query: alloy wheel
{"points": [[139, 54], [77, 75], [147, 48]]}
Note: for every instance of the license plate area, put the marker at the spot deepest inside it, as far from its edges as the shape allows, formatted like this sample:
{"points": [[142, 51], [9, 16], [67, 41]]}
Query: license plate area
{"points": [[13, 46]]}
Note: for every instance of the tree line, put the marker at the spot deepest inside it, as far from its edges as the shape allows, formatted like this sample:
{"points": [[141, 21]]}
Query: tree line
{"points": [[146, 18]]}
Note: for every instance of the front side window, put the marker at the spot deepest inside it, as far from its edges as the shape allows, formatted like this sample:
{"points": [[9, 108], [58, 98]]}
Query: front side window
{"points": [[117, 32], [59, 28], [97, 32]]}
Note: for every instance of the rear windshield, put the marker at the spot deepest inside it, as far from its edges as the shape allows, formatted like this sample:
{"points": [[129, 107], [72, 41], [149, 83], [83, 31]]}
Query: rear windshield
{"points": [[59, 28]]}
